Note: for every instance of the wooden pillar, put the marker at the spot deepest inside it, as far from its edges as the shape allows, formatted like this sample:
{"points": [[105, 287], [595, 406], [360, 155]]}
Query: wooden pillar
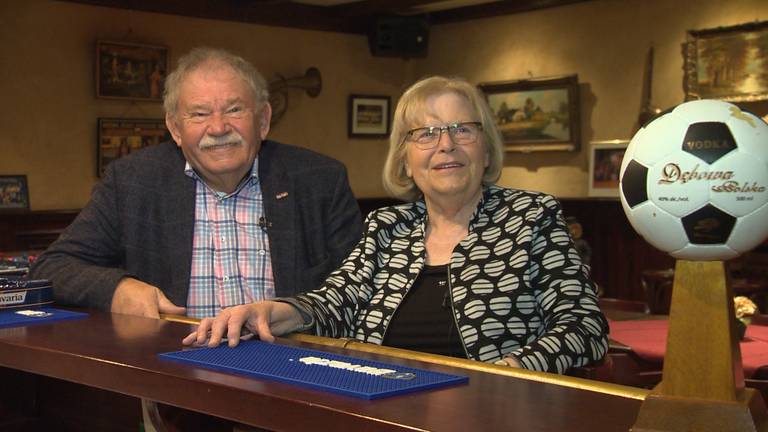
{"points": [[702, 388]]}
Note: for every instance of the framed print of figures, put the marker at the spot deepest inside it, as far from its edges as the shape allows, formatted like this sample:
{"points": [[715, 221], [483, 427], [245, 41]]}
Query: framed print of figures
{"points": [[536, 114], [130, 71], [368, 116], [728, 63], [605, 166], [119, 137], [14, 194]]}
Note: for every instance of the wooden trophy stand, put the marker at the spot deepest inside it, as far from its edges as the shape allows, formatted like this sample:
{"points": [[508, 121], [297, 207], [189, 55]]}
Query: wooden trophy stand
{"points": [[702, 388]]}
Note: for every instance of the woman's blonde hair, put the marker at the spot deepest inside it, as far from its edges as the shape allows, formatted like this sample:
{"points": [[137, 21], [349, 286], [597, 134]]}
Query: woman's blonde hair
{"points": [[411, 109]]}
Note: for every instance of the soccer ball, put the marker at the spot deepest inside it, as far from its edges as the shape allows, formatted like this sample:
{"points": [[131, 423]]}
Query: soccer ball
{"points": [[694, 181]]}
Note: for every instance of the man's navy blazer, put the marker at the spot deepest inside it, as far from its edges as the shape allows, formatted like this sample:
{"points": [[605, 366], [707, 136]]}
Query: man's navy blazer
{"points": [[140, 223]]}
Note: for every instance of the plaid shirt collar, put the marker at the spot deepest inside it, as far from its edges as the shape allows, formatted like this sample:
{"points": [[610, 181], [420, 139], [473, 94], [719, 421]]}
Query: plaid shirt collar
{"points": [[253, 175]]}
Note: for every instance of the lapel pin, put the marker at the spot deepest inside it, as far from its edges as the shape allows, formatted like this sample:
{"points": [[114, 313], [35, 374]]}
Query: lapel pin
{"points": [[281, 195]]}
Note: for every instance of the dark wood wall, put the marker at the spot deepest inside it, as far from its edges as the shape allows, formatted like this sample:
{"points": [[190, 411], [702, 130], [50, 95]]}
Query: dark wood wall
{"points": [[618, 253], [34, 230]]}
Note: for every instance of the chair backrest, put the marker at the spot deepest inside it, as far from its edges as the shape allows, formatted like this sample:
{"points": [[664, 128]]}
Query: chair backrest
{"points": [[657, 286], [759, 319], [608, 303]]}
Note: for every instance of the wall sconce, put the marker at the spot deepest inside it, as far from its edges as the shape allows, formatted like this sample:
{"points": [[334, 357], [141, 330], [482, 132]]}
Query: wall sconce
{"points": [[311, 82]]}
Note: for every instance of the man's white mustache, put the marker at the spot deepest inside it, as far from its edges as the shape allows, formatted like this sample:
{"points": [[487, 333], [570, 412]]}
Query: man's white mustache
{"points": [[232, 138]]}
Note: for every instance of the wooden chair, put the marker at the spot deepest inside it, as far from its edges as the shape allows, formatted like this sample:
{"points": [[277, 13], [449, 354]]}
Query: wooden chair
{"points": [[627, 368], [615, 304], [608, 370], [657, 286], [761, 320], [759, 380], [598, 371]]}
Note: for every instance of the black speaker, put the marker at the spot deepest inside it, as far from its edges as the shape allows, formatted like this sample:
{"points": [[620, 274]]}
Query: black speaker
{"points": [[395, 36]]}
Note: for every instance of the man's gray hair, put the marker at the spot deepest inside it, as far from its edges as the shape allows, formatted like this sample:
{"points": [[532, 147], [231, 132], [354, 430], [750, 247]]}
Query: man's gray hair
{"points": [[203, 56]]}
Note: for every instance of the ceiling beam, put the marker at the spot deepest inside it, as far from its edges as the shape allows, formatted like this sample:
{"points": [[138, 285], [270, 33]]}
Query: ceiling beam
{"points": [[274, 13], [487, 10], [344, 18]]}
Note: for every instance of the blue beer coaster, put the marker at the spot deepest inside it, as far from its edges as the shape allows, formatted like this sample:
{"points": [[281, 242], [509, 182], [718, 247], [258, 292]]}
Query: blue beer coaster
{"points": [[35, 315], [316, 369]]}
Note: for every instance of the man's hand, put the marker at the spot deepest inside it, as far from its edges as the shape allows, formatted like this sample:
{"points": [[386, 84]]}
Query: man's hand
{"points": [[133, 297], [265, 319]]}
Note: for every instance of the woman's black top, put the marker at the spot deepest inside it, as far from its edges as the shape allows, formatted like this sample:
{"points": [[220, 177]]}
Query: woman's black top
{"points": [[423, 321]]}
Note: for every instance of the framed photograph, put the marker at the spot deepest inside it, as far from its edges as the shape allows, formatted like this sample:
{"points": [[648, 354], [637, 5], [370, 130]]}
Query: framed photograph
{"points": [[119, 137], [368, 116], [536, 114], [727, 63], [604, 167], [130, 71], [14, 194]]}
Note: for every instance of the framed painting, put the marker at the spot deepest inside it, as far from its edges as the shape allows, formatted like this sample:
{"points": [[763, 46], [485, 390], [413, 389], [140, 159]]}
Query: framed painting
{"points": [[605, 166], [130, 71], [368, 116], [118, 137], [727, 63], [536, 114], [14, 194]]}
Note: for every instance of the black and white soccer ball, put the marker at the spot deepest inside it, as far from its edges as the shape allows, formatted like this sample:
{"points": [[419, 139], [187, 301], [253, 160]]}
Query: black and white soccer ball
{"points": [[694, 181]]}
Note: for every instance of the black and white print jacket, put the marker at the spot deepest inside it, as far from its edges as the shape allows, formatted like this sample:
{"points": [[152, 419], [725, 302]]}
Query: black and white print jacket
{"points": [[517, 284]]}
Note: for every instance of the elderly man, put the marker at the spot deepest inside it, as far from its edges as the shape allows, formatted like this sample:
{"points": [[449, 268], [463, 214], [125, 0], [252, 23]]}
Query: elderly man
{"points": [[219, 218]]}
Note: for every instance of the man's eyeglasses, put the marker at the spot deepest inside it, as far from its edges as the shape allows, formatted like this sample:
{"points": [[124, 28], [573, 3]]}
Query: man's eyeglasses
{"points": [[425, 138]]}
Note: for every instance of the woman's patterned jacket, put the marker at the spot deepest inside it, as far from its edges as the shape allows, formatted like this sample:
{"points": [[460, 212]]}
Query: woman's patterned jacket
{"points": [[517, 284]]}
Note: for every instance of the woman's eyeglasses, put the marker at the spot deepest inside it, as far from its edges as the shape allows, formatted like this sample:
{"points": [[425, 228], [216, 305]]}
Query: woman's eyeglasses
{"points": [[426, 138]]}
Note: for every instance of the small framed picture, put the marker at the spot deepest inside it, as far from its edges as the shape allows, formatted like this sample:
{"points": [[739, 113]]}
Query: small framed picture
{"points": [[368, 116], [14, 194], [605, 167], [537, 114], [119, 137], [130, 71]]}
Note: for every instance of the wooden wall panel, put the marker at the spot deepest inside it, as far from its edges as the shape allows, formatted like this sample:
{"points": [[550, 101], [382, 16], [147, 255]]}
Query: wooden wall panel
{"points": [[618, 253]]}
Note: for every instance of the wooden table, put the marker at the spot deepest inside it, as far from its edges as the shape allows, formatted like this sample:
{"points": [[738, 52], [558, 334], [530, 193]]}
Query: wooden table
{"points": [[118, 353]]}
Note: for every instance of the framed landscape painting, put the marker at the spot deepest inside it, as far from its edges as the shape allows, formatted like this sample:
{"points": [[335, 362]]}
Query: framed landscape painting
{"points": [[536, 114]]}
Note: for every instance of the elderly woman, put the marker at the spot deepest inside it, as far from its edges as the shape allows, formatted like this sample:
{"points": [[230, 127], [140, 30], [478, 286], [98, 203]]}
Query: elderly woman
{"points": [[466, 269]]}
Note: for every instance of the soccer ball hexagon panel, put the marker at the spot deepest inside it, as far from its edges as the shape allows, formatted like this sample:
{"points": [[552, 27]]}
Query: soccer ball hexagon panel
{"points": [[694, 181]]}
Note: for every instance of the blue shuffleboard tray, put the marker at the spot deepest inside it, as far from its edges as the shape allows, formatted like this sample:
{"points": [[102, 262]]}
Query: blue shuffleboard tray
{"points": [[22, 317], [316, 369]]}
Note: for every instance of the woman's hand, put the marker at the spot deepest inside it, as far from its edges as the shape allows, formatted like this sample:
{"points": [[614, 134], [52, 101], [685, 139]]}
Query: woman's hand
{"points": [[265, 319], [508, 361]]}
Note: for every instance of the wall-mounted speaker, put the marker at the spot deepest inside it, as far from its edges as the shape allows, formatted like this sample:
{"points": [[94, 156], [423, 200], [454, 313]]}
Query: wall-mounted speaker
{"points": [[396, 36]]}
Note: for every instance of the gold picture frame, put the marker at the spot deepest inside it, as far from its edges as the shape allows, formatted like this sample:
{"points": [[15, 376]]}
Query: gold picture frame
{"points": [[538, 114], [727, 63]]}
